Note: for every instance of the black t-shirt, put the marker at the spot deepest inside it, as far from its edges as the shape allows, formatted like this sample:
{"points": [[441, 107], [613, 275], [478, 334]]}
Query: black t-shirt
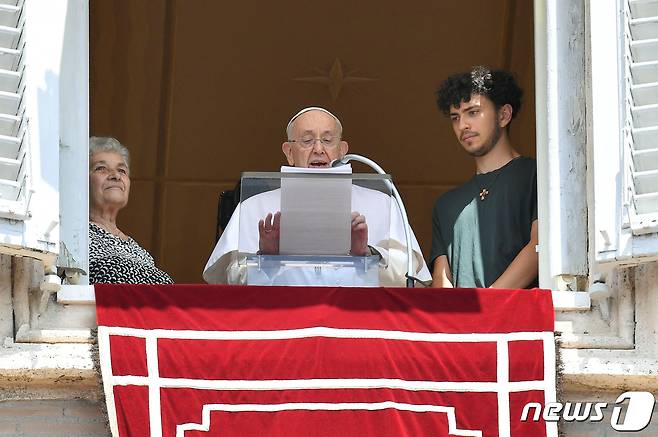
{"points": [[482, 237]]}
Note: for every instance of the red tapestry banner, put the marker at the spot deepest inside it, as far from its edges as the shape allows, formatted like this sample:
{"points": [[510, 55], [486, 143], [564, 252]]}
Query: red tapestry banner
{"points": [[202, 360]]}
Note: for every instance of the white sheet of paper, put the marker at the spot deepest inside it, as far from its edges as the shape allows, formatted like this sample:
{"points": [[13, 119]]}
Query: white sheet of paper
{"points": [[316, 212]]}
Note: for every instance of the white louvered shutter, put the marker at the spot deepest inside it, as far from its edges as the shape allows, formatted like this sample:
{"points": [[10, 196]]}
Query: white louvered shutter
{"points": [[14, 159], [641, 115], [32, 33], [624, 131]]}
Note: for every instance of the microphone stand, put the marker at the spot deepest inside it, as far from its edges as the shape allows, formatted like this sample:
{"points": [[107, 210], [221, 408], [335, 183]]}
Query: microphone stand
{"points": [[396, 195]]}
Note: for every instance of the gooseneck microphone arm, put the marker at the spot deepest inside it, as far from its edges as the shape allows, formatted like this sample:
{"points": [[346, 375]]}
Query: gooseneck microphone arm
{"points": [[396, 195]]}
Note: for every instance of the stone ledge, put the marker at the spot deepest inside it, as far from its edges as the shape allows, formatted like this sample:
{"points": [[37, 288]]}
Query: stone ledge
{"points": [[51, 364], [609, 370]]}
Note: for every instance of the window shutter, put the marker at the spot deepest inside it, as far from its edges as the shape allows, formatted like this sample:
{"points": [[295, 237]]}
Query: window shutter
{"points": [[624, 131], [641, 114], [31, 40], [14, 150]]}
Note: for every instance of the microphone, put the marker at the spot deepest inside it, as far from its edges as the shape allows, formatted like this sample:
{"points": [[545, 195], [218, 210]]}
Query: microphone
{"points": [[396, 195], [338, 162]]}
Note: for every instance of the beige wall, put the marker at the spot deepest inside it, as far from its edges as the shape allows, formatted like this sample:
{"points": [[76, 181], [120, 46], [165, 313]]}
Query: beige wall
{"points": [[53, 418], [201, 91]]}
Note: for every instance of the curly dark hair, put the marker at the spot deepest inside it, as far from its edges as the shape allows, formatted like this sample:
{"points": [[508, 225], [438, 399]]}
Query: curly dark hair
{"points": [[498, 85]]}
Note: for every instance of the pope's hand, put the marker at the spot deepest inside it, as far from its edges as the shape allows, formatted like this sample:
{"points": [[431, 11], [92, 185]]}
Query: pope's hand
{"points": [[269, 229], [359, 235]]}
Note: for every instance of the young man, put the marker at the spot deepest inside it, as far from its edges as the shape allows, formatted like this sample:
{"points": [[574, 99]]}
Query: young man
{"points": [[484, 232]]}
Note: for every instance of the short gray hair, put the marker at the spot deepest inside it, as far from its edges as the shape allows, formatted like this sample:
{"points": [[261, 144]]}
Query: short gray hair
{"points": [[108, 144], [294, 118]]}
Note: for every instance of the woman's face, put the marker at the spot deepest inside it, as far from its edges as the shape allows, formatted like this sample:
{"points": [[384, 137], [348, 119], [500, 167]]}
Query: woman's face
{"points": [[109, 181]]}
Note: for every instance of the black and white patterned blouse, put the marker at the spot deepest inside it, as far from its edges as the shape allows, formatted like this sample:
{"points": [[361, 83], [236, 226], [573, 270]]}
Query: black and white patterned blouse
{"points": [[116, 261]]}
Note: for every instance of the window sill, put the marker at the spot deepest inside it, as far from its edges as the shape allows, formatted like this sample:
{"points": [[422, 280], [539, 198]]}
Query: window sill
{"points": [[76, 294], [562, 300], [571, 300]]}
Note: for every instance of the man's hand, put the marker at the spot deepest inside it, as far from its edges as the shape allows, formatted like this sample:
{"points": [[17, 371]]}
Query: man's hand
{"points": [[359, 235], [442, 277], [525, 267], [269, 230]]}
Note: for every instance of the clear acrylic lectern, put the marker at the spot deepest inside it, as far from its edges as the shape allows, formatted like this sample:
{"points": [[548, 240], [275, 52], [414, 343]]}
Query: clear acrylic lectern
{"points": [[315, 227]]}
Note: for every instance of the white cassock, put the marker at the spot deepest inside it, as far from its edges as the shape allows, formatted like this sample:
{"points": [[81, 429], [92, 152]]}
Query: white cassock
{"points": [[385, 234]]}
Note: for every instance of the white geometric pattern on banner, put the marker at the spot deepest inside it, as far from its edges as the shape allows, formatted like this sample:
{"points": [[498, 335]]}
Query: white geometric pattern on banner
{"points": [[207, 409], [502, 387]]}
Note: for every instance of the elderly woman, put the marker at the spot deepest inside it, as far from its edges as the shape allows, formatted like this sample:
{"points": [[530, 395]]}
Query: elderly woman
{"points": [[114, 257]]}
